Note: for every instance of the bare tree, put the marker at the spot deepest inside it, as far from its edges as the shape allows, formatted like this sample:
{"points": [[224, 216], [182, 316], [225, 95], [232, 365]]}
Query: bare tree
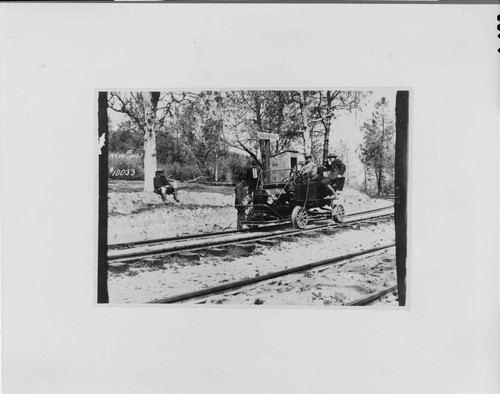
{"points": [[319, 108], [246, 113], [304, 100], [148, 111], [327, 106], [377, 153]]}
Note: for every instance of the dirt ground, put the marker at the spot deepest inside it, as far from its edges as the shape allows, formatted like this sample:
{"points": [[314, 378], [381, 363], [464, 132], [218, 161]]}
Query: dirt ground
{"points": [[134, 215], [333, 285]]}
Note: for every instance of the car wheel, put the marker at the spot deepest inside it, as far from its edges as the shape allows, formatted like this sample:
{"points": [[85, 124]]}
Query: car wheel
{"points": [[338, 213], [299, 217]]}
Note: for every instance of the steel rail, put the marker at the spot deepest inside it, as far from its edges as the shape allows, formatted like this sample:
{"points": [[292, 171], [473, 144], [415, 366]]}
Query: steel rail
{"points": [[250, 281], [181, 237], [372, 297], [123, 257], [218, 233]]}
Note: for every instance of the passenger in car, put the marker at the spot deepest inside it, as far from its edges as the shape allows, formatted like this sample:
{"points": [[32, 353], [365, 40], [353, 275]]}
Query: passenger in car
{"points": [[309, 169], [337, 168]]}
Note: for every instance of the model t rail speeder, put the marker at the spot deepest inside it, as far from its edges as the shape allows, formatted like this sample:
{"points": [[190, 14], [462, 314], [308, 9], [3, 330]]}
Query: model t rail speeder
{"points": [[294, 199]]}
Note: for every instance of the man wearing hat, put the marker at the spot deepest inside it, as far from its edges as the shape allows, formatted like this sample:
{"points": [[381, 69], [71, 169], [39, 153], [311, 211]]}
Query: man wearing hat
{"points": [[163, 187], [337, 168], [309, 169], [252, 177], [240, 193]]}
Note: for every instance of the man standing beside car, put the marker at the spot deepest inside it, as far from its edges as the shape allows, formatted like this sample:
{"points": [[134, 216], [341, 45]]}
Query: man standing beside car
{"points": [[240, 193], [252, 178]]}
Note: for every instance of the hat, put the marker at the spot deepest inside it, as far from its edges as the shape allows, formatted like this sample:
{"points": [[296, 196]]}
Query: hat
{"points": [[308, 156], [332, 155], [159, 172]]}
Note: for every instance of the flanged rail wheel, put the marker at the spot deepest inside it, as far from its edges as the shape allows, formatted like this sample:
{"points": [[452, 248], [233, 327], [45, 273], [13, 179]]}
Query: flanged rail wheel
{"points": [[338, 213], [249, 214], [299, 217]]}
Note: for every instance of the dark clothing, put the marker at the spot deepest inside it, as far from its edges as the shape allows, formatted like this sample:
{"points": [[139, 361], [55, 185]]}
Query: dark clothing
{"points": [[252, 178], [160, 181], [336, 168], [318, 177], [327, 181], [240, 193], [168, 190], [240, 217], [162, 187]]}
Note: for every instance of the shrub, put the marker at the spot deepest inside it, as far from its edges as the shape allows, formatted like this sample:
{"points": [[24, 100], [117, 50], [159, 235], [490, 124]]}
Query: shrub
{"points": [[180, 172]]}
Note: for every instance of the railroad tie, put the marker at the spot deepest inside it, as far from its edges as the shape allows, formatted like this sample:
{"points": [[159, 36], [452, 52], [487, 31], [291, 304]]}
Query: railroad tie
{"points": [[268, 242], [216, 251], [118, 267], [150, 260], [246, 247], [310, 235], [289, 238], [189, 256]]}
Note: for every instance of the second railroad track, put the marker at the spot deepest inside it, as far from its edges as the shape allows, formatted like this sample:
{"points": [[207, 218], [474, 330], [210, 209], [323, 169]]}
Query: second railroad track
{"points": [[183, 245]]}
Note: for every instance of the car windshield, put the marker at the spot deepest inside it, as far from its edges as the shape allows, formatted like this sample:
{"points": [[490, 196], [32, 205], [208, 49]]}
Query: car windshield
{"points": [[275, 190]]}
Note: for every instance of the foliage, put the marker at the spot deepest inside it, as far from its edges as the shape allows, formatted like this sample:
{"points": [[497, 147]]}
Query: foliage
{"points": [[246, 113], [318, 109], [197, 134], [126, 138], [377, 151], [182, 172]]}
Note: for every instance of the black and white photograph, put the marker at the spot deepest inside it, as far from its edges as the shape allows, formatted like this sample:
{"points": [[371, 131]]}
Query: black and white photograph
{"points": [[254, 197], [241, 197]]}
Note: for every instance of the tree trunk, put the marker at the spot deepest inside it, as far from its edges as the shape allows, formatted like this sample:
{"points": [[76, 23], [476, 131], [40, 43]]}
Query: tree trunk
{"points": [[327, 121], [305, 124], [326, 141], [379, 181], [401, 190], [102, 261], [216, 174], [364, 170], [150, 165]]}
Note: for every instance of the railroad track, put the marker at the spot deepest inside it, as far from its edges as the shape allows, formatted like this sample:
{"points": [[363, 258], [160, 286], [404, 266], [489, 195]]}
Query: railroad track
{"points": [[372, 297], [187, 244], [130, 245], [251, 281]]}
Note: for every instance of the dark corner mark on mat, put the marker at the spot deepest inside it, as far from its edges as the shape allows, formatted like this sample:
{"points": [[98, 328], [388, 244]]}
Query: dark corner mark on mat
{"points": [[498, 28]]}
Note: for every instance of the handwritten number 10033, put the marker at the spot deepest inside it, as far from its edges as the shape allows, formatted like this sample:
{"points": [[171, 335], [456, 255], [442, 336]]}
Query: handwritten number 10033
{"points": [[121, 172]]}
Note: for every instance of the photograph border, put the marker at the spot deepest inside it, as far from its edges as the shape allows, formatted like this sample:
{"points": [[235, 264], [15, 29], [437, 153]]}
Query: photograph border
{"points": [[100, 295]]}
